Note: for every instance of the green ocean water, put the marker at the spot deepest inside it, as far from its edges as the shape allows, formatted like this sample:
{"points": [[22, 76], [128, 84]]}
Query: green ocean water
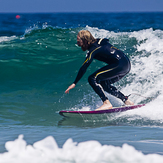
{"points": [[40, 66]]}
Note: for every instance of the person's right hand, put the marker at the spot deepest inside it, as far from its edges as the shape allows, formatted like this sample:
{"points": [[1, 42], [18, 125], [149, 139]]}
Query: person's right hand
{"points": [[70, 87]]}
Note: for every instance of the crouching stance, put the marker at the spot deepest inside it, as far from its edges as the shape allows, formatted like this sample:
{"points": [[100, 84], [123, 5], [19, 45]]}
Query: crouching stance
{"points": [[118, 65]]}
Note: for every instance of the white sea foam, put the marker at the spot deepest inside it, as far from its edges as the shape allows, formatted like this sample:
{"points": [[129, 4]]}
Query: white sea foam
{"points": [[148, 80], [147, 66], [5, 38], [149, 40], [146, 75], [47, 151]]}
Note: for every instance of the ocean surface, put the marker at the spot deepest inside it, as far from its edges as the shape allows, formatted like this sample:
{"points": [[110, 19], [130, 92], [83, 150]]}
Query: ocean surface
{"points": [[39, 59]]}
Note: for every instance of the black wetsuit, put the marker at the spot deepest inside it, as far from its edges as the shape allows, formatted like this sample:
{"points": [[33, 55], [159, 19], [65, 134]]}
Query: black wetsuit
{"points": [[118, 65]]}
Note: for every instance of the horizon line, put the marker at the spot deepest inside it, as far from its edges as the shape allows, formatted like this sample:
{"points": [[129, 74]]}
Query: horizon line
{"points": [[13, 12]]}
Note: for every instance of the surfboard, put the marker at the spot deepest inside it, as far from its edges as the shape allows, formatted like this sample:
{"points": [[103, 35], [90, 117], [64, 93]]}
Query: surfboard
{"points": [[68, 113]]}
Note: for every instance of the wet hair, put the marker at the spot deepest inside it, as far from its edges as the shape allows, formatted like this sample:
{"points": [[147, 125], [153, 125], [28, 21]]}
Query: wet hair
{"points": [[87, 39]]}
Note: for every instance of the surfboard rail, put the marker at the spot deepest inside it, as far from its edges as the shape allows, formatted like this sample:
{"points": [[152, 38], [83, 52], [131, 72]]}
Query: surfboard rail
{"points": [[66, 113]]}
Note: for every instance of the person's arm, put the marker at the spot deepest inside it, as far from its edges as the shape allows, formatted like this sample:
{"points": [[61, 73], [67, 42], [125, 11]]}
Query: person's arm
{"points": [[83, 68], [81, 72]]}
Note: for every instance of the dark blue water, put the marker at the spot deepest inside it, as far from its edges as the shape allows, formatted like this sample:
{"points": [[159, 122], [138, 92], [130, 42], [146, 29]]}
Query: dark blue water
{"points": [[117, 22]]}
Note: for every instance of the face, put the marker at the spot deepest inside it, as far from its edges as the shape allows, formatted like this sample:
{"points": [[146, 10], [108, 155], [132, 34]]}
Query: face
{"points": [[79, 41]]}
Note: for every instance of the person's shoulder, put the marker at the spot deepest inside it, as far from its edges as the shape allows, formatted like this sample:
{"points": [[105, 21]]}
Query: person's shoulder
{"points": [[99, 42]]}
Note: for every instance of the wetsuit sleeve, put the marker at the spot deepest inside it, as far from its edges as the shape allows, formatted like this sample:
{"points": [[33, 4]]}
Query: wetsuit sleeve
{"points": [[83, 68]]}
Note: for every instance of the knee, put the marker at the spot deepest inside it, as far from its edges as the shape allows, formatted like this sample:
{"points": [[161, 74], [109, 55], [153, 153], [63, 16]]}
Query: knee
{"points": [[92, 80]]}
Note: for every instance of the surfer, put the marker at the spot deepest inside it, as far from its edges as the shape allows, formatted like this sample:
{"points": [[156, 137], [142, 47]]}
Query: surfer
{"points": [[118, 65]]}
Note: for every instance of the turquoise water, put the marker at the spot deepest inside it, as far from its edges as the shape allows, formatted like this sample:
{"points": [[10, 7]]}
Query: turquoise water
{"points": [[39, 59]]}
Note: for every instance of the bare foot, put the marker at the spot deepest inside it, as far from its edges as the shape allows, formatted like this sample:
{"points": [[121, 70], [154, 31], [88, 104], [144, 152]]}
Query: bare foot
{"points": [[106, 105], [128, 102]]}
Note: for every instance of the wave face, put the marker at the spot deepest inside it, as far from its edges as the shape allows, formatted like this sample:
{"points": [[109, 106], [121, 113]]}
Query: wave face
{"points": [[38, 67], [39, 59]]}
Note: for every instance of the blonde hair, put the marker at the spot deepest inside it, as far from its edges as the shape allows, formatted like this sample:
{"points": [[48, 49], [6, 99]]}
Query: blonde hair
{"points": [[87, 39]]}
